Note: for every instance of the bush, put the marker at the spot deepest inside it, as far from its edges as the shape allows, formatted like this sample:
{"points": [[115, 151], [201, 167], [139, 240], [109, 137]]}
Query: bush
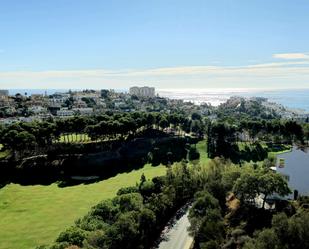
{"points": [[127, 190], [91, 223], [129, 202], [106, 210], [95, 239], [73, 236]]}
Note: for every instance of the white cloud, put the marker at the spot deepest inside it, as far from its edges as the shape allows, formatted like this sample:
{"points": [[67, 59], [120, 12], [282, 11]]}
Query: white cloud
{"points": [[291, 56], [269, 75]]}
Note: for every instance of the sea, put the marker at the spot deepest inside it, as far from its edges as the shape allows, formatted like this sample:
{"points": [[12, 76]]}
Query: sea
{"points": [[290, 98]]}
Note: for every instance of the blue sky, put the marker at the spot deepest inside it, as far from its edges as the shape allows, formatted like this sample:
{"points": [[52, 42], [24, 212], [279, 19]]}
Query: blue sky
{"points": [[163, 43]]}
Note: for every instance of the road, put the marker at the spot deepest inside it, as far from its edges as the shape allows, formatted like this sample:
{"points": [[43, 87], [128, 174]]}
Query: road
{"points": [[176, 236]]}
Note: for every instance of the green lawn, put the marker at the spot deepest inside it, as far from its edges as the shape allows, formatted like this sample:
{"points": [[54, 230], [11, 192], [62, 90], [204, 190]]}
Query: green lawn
{"points": [[242, 145], [284, 150], [74, 138], [35, 215], [201, 147]]}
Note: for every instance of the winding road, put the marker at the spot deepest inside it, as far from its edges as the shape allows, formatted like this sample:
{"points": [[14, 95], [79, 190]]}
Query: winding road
{"points": [[176, 236]]}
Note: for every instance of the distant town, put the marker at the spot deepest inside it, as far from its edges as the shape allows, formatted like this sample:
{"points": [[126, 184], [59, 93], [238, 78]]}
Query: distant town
{"points": [[29, 107]]}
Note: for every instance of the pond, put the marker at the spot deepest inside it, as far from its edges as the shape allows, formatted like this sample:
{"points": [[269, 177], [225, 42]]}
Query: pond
{"points": [[294, 166]]}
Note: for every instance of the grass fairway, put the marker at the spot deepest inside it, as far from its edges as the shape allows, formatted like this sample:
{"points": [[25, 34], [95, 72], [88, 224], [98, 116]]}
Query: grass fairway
{"points": [[74, 138], [35, 215], [201, 147]]}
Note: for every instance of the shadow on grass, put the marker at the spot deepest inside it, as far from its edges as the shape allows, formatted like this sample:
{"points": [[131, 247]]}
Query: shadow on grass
{"points": [[71, 170]]}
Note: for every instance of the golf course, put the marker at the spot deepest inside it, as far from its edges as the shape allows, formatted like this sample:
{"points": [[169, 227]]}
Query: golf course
{"points": [[35, 215]]}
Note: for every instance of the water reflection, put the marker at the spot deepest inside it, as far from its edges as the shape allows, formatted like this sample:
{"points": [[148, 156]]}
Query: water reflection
{"points": [[294, 166]]}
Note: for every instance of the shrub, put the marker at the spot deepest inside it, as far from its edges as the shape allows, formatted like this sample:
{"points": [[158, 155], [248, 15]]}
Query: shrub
{"points": [[73, 235]]}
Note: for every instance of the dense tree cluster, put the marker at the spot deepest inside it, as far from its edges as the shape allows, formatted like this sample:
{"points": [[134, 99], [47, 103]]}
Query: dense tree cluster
{"points": [[135, 217], [260, 183], [274, 130], [285, 232], [34, 137], [42, 152], [237, 108], [224, 138], [24, 137], [224, 214], [111, 158]]}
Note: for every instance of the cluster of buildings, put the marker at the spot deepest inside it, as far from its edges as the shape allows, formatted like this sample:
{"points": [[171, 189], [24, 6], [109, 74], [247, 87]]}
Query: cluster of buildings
{"points": [[144, 91], [24, 107]]}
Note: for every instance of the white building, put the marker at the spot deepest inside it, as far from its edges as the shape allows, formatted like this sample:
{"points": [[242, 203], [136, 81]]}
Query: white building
{"points": [[65, 112], [82, 111], [143, 91]]}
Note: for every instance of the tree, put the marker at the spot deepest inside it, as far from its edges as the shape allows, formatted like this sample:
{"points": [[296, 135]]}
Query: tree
{"points": [[73, 235], [106, 210], [206, 220], [147, 223], [298, 231], [272, 183], [124, 233], [246, 187], [221, 140], [306, 131], [204, 207], [150, 120], [69, 102], [9, 139], [294, 131], [249, 185], [196, 116], [143, 179], [129, 202], [285, 232], [163, 122], [197, 127], [280, 224], [105, 93], [266, 239], [24, 140], [193, 154]]}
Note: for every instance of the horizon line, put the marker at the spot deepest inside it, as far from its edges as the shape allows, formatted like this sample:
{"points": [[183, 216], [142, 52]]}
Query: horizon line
{"points": [[167, 89]]}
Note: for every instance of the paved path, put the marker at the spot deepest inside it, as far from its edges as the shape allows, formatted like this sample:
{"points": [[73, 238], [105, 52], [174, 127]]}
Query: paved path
{"points": [[177, 236]]}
